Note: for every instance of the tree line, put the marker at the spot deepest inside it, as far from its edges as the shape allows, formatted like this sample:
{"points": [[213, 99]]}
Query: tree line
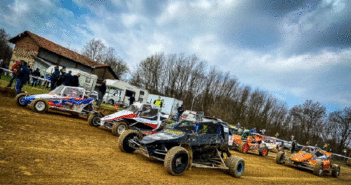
{"points": [[5, 47], [206, 88]]}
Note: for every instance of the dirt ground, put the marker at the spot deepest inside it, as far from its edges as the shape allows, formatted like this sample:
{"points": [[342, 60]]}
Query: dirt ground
{"points": [[54, 148]]}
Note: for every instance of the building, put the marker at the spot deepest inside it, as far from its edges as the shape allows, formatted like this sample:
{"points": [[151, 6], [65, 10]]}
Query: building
{"points": [[42, 53]]}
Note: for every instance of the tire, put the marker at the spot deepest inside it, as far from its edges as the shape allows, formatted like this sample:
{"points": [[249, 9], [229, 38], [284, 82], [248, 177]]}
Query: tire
{"points": [[19, 98], [92, 120], [236, 166], [40, 105], [336, 170], [119, 127], [263, 151], [110, 102], [243, 148], [175, 156], [123, 140], [318, 169], [280, 158], [348, 162]]}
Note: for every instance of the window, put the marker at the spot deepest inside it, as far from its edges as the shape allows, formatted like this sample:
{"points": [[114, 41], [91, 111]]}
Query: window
{"points": [[87, 80]]}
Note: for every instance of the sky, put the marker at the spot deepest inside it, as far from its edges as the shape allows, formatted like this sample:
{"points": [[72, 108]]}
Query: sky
{"points": [[296, 50]]}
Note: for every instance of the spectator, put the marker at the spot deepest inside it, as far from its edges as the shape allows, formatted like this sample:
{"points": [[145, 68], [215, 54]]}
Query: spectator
{"points": [[1, 66], [131, 100], [54, 77], [75, 81], [68, 78], [307, 144], [238, 125], [35, 76], [180, 112], [325, 146], [61, 78], [253, 130], [158, 102], [23, 77], [277, 134], [344, 151], [15, 68], [293, 145], [102, 91]]}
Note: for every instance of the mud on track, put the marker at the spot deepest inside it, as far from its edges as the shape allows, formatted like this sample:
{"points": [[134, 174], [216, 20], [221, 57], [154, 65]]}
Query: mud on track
{"points": [[55, 148]]}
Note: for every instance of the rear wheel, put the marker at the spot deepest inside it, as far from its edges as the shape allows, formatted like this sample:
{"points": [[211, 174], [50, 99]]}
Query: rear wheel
{"points": [[40, 106], [280, 158], [119, 127], [19, 99], [263, 151], [243, 147], [125, 141], [94, 120], [176, 160], [110, 102], [336, 170], [318, 169], [236, 166]]}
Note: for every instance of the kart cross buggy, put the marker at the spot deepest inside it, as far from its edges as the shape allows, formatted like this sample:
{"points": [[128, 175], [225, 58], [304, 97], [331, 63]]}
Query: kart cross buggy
{"points": [[63, 98], [185, 144], [145, 117], [273, 144], [311, 158], [250, 141]]}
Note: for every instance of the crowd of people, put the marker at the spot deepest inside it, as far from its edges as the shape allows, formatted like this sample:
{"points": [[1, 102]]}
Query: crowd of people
{"points": [[22, 73]]}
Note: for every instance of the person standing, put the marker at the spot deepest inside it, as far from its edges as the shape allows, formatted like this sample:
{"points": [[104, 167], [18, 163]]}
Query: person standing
{"points": [[61, 78], [238, 125], [131, 100], [102, 91], [54, 77], [253, 130], [75, 81], [293, 145], [15, 68], [180, 112], [277, 134], [158, 102], [68, 79], [1, 66], [23, 77], [307, 144], [35, 76]]}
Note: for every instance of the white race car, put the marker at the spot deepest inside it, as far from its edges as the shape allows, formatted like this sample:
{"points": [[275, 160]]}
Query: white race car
{"points": [[140, 116]]}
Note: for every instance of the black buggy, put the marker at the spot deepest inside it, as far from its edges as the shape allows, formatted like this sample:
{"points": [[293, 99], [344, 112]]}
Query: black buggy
{"points": [[185, 144]]}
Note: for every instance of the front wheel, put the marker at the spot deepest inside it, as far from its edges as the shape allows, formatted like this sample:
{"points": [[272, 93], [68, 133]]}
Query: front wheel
{"points": [[94, 120], [19, 99], [318, 169], [110, 102], [126, 142], [236, 166], [280, 158], [176, 160], [40, 106], [336, 170], [119, 127]]}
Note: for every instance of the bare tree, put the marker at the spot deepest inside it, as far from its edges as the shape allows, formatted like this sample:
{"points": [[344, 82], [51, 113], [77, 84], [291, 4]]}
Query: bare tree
{"points": [[340, 127], [5, 47], [95, 50]]}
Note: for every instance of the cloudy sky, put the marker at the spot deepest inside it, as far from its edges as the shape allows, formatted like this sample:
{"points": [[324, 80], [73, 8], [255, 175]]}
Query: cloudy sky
{"points": [[294, 49]]}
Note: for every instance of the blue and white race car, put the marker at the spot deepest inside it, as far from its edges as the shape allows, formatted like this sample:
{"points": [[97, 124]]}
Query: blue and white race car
{"points": [[63, 98]]}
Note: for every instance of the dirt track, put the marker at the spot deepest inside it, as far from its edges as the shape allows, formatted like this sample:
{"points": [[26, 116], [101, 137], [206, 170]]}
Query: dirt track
{"points": [[54, 148]]}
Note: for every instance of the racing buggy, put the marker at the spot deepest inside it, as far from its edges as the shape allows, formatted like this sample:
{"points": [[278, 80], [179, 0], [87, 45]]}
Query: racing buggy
{"points": [[185, 144], [63, 98], [311, 158], [250, 141], [273, 144], [146, 117]]}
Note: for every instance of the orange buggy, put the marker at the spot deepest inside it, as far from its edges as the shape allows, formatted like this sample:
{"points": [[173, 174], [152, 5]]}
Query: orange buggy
{"points": [[252, 142], [311, 158]]}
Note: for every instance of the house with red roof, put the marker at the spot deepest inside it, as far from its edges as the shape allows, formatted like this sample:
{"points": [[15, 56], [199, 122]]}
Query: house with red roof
{"points": [[38, 51]]}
